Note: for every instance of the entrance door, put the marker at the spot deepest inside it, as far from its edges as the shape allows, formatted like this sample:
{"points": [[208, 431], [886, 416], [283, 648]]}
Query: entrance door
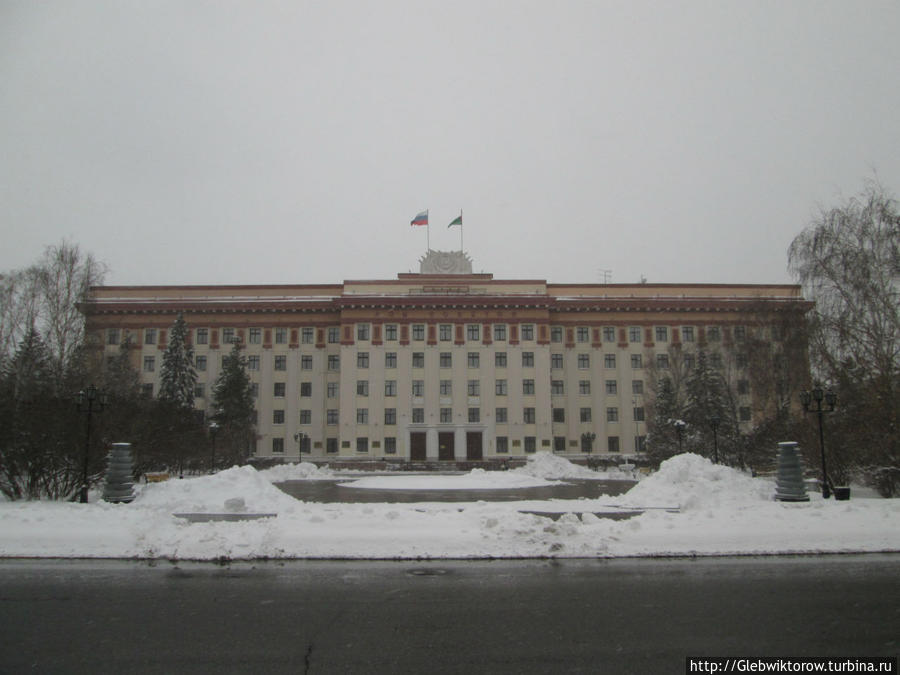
{"points": [[417, 446], [473, 445], [445, 445]]}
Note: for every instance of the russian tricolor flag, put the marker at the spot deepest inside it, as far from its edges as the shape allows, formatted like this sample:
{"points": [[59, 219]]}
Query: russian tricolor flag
{"points": [[420, 219]]}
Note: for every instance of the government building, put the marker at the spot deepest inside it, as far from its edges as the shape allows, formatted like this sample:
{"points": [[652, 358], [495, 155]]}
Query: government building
{"points": [[446, 364]]}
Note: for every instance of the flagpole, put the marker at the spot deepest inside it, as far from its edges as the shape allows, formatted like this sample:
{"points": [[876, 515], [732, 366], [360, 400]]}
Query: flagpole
{"points": [[461, 249], [427, 234]]}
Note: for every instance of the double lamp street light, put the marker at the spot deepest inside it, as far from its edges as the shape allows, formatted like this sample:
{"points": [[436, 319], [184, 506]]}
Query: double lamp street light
{"points": [[90, 401], [817, 395]]}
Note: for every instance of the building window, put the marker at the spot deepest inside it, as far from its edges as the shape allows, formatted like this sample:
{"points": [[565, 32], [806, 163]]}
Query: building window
{"points": [[278, 446], [583, 334], [559, 444], [362, 359], [609, 334], [418, 331], [473, 387], [662, 361], [306, 335], [584, 387], [362, 444], [637, 361], [473, 332], [306, 417], [557, 388], [446, 360], [500, 388], [715, 360], [446, 415], [743, 386], [556, 334], [202, 336], [390, 359], [390, 445], [228, 335], [638, 414], [502, 445], [776, 333], [446, 388], [528, 387], [445, 332], [333, 389], [255, 336], [584, 361], [147, 390], [612, 387], [390, 416], [306, 362], [740, 333], [254, 389], [559, 415], [418, 415], [362, 331], [199, 391], [362, 387], [744, 413], [331, 417], [281, 335], [609, 360], [741, 361], [278, 417], [500, 415], [612, 444], [687, 333], [637, 386], [640, 443], [474, 415], [149, 364], [201, 363], [253, 362], [334, 335], [112, 336], [528, 415], [584, 414], [528, 332], [281, 362], [528, 359], [418, 388], [500, 359], [305, 389], [390, 387], [556, 361], [278, 390], [390, 332], [713, 334], [634, 334], [418, 360], [662, 334], [689, 361], [473, 360], [530, 444], [150, 336], [362, 415], [612, 414], [500, 332], [331, 446]]}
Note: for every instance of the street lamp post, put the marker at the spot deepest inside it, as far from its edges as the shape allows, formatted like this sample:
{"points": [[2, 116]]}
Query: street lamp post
{"points": [[679, 429], [213, 430], [714, 423], [817, 395], [88, 400], [298, 438]]}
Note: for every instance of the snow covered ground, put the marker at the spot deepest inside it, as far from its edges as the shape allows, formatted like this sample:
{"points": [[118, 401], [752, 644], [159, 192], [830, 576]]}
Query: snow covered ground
{"points": [[690, 507]]}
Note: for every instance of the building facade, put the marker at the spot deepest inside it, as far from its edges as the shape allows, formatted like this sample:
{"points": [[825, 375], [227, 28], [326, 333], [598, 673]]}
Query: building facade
{"points": [[449, 365]]}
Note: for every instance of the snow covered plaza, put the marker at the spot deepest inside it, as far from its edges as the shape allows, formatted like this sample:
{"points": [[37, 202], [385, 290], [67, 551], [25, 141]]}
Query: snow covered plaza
{"points": [[689, 507]]}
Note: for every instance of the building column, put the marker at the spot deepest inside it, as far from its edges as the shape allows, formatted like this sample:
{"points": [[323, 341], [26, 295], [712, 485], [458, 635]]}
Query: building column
{"points": [[431, 444], [459, 444]]}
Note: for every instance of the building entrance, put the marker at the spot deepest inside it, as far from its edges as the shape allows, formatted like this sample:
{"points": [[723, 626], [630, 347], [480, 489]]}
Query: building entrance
{"points": [[473, 445], [417, 446], [445, 445]]}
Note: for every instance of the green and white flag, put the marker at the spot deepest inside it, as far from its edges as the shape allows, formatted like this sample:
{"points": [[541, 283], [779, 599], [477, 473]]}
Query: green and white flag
{"points": [[456, 221]]}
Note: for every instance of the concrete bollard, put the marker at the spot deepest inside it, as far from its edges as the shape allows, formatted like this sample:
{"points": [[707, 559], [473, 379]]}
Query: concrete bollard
{"points": [[789, 485], [119, 485]]}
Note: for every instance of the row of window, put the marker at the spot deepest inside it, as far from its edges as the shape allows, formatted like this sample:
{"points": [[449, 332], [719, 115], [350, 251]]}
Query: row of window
{"points": [[503, 444]]}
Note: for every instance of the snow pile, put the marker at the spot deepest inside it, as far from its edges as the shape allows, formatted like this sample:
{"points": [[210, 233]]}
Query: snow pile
{"points": [[550, 466], [208, 494], [691, 481], [476, 479], [301, 471]]}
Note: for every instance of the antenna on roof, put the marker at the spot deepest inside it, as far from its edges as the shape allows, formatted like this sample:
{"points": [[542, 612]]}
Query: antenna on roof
{"points": [[605, 276]]}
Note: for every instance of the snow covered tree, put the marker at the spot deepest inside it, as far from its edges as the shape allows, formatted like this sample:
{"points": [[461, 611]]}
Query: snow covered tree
{"points": [[707, 400], [662, 437], [178, 379], [234, 407]]}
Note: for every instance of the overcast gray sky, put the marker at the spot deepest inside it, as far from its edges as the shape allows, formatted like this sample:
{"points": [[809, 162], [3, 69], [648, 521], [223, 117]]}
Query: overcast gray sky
{"points": [[281, 142]]}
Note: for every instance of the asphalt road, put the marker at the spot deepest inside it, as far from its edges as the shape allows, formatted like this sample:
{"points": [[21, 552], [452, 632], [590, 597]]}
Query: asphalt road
{"points": [[620, 616]]}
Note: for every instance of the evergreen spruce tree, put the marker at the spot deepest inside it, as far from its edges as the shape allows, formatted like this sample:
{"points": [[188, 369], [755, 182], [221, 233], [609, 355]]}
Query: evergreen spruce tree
{"points": [[178, 377], [233, 404], [707, 398], [662, 441]]}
